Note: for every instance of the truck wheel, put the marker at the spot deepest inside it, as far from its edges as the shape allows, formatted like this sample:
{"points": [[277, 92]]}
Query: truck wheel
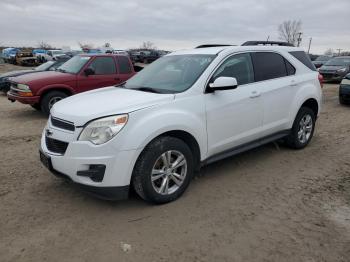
{"points": [[303, 129], [50, 99], [163, 171], [36, 107]]}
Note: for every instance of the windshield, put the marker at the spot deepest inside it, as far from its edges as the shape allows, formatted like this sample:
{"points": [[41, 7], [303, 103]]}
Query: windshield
{"points": [[44, 66], [171, 74], [340, 61], [322, 58], [74, 65], [57, 52]]}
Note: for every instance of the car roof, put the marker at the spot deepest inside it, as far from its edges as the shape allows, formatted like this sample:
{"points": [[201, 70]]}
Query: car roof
{"points": [[217, 50]]}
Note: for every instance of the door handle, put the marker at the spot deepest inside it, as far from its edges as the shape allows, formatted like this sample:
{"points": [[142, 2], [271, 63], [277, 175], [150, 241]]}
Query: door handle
{"points": [[255, 94], [293, 83]]}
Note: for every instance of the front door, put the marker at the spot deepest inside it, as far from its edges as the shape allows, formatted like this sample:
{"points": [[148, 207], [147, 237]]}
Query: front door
{"points": [[104, 74], [234, 117]]}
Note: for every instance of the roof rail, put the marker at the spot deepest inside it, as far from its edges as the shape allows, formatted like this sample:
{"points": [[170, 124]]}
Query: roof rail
{"points": [[266, 43], [211, 45]]}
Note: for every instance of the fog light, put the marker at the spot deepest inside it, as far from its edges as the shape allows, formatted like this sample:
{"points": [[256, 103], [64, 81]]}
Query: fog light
{"points": [[95, 172]]}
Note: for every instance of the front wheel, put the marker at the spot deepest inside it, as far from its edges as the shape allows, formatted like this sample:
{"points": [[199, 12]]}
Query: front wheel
{"points": [[303, 129], [163, 171], [50, 99]]}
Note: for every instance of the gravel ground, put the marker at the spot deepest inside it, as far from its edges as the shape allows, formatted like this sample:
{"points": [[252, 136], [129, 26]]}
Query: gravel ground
{"points": [[268, 204]]}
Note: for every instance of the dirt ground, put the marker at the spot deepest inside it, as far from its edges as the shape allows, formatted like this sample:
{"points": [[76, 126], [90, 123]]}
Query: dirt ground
{"points": [[268, 204]]}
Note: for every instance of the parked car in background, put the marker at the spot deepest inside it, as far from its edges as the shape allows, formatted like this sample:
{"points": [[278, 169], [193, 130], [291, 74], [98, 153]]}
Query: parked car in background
{"points": [[50, 55], [183, 111], [120, 52], [79, 74], [336, 68], [321, 60], [344, 90], [9, 55], [26, 58], [73, 53], [148, 57], [48, 66]]}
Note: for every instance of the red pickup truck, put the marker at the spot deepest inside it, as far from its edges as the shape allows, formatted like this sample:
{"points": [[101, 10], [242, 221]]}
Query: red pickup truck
{"points": [[80, 73]]}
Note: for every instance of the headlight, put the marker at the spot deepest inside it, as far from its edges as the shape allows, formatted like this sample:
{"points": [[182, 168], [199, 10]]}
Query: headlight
{"points": [[23, 87], [104, 129], [342, 69]]}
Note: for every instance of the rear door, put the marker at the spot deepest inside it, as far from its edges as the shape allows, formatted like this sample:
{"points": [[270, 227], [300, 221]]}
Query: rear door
{"points": [[105, 74], [124, 68], [278, 86]]}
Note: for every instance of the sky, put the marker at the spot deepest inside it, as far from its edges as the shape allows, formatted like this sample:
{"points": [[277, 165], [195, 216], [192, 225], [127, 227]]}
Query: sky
{"points": [[171, 25]]}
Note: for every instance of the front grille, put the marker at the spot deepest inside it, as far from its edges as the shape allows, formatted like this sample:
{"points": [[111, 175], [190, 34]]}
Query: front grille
{"points": [[325, 75], [56, 146], [62, 124]]}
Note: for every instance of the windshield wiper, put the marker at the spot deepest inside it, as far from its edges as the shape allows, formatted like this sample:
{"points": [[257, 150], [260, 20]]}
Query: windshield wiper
{"points": [[61, 70], [147, 89]]}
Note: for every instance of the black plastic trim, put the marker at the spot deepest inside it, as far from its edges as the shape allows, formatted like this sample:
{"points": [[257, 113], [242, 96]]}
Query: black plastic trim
{"points": [[245, 147]]}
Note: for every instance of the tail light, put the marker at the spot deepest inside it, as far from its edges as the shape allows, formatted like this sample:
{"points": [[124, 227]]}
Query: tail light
{"points": [[320, 78]]}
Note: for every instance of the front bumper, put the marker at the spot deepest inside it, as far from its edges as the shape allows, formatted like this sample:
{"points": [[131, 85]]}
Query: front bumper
{"points": [[80, 156], [31, 100], [344, 92]]}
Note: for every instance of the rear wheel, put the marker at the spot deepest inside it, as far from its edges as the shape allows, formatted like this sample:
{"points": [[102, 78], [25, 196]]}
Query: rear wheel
{"points": [[342, 101], [163, 171], [50, 99], [303, 129]]}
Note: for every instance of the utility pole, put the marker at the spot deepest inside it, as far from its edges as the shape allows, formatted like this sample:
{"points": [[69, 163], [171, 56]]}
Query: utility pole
{"points": [[339, 49], [268, 38], [308, 50], [299, 38]]}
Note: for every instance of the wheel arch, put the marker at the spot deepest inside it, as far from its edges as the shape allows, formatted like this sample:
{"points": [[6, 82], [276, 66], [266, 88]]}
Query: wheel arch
{"points": [[312, 104]]}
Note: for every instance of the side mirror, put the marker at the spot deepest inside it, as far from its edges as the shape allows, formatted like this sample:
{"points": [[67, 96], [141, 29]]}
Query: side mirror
{"points": [[223, 83], [89, 71]]}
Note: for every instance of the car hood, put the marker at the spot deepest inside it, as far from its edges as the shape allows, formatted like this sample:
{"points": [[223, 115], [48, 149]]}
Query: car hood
{"points": [[46, 77], [330, 68], [17, 73], [87, 106]]}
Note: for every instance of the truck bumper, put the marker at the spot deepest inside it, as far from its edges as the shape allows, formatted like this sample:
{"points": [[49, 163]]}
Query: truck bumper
{"points": [[24, 100]]}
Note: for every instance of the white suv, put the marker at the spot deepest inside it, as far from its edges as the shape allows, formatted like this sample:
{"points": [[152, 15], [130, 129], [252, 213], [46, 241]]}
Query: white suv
{"points": [[185, 110]]}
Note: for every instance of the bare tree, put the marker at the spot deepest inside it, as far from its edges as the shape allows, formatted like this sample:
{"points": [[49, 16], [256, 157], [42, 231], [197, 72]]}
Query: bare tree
{"points": [[44, 45], [148, 45], [289, 31], [84, 46]]}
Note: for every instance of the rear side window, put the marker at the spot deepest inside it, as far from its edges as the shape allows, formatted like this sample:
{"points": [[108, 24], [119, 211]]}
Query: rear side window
{"points": [[103, 66], [124, 65], [290, 68], [268, 66], [305, 59]]}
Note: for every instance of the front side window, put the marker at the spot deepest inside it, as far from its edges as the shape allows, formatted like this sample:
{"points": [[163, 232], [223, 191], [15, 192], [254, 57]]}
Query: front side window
{"points": [[268, 66], [103, 66], [171, 74], [239, 66]]}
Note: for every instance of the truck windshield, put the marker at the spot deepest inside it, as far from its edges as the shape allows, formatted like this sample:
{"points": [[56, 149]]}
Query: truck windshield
{"points": [[74, 65], [170, 74]]}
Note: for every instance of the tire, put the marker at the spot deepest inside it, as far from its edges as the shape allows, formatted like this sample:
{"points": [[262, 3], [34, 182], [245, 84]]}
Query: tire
{"points": [[301, 134], [36, 107], [151, 164], [50, 99], [342, 101]]}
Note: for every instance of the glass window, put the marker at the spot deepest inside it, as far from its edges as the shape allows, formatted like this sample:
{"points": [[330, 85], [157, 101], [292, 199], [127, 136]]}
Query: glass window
{"points": [[268, 66], [74, 65], [124, 65], [239, 66], [171, 74], [290, 68], [103, 66], [302, 57]]}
